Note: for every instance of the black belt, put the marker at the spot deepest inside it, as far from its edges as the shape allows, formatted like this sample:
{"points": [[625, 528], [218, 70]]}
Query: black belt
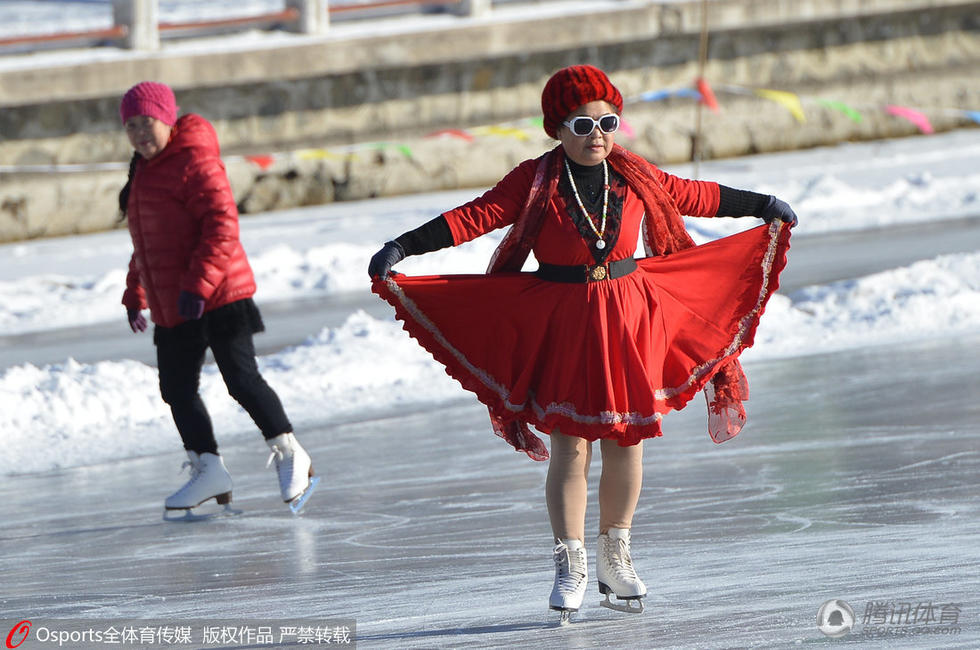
{"points": [[586, 272]]}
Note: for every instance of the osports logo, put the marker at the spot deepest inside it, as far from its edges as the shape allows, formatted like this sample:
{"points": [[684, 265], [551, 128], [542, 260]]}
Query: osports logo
{"points": [[23, 629]]}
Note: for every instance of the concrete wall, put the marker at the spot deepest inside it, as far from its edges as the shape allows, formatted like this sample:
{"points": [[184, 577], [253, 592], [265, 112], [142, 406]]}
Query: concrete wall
{"points": [[334, 91]]}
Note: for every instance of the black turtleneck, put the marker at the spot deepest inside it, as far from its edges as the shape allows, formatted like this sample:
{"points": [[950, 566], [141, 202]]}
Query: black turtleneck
{"points": [[588, 180]]}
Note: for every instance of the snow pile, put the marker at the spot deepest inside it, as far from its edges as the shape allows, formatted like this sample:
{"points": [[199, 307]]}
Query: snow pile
{"points": [[939, 297], [81, 414]]}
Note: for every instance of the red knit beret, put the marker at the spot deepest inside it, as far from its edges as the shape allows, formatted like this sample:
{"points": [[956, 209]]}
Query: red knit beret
{"points": [[572, 87], [149, 98]]}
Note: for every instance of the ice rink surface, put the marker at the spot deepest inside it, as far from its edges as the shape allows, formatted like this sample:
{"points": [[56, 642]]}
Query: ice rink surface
{"points": [[430, 533]]}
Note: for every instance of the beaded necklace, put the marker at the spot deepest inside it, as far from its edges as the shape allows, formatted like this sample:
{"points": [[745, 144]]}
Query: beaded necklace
{"points": [[601, 230]]}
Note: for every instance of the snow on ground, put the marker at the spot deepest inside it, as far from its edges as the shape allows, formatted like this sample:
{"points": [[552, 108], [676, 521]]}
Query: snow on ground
{"points": [[913, 302], [323, 251], [87, 413]]}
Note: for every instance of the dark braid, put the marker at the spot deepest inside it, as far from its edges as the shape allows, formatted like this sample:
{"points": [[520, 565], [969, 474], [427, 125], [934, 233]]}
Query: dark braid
{"points": [[124, 192]]}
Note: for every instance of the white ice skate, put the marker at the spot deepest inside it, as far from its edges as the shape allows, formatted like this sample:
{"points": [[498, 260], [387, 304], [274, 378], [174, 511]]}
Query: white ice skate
{"points": [[295, 469], [615, 572], [571, 576], [209, 480]]}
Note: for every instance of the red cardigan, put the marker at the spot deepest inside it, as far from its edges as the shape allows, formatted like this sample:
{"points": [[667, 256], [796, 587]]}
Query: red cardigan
{"points": [[184, 224], [559, 241]]}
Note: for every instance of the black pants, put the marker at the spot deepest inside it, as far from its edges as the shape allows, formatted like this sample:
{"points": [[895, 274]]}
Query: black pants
{"points": [[181, 351]]}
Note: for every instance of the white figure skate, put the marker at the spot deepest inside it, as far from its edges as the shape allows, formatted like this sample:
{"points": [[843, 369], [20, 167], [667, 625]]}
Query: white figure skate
{"points": [[295, 469], [571, 577], [615, 572], [209, 480]]}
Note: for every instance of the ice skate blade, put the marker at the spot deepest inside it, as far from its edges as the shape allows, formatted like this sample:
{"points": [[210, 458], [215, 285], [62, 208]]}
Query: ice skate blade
{"points": [[186, 515], [564, 616], [633, 605], [297, 504]]}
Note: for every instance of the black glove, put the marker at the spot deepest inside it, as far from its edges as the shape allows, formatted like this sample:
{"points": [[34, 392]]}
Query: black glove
{"points": [[384, 259], [776, 209], [190, 306], [137, 321]]}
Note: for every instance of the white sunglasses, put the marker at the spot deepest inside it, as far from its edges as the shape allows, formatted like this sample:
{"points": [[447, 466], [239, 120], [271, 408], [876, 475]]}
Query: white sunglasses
{"points": [[583, 125]]}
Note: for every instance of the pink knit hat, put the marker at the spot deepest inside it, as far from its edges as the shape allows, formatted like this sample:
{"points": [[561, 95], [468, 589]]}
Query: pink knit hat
{"points": [[152, 99]]}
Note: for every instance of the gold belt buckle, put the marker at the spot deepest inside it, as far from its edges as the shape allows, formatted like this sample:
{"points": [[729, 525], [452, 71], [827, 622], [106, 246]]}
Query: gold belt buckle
{"points": [[598, 272]]}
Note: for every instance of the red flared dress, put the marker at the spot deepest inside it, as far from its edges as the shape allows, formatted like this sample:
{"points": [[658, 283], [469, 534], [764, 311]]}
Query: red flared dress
{"points": [[594, 359]]}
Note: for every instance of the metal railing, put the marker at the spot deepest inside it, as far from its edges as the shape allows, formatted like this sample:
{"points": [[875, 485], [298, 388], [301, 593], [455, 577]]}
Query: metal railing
{"points": [[136, 25]]}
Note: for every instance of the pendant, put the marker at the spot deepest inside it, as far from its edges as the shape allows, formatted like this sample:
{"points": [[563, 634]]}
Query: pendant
{"points": [[600, 244]]}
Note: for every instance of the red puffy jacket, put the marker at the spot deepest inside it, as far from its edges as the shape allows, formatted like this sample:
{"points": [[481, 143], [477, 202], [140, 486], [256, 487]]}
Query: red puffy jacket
{"points": [[184, 224]]}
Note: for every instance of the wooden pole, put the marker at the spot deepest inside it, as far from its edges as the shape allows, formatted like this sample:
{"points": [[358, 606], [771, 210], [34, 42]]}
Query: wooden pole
{"points": [[702, 61]]}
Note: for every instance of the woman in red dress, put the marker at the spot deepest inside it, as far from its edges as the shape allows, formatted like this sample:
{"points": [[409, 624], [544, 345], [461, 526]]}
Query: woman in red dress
{"points": [[594, 345]]}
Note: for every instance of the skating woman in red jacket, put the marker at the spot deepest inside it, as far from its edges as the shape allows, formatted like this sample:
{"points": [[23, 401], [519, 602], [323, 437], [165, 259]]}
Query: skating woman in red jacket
{"points": [[189, 268], [594, 345]]}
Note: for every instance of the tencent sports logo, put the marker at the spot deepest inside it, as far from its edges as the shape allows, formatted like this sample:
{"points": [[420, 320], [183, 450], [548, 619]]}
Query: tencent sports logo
{"points": [[835, 618], [18, 634]]}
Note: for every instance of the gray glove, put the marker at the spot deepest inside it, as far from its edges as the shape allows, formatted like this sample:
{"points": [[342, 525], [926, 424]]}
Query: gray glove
{"points": [[777, 209], [384, 259]]}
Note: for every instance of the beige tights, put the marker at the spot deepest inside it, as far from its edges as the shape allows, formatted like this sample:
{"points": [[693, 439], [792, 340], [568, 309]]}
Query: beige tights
{"points": [[566, 490]]}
